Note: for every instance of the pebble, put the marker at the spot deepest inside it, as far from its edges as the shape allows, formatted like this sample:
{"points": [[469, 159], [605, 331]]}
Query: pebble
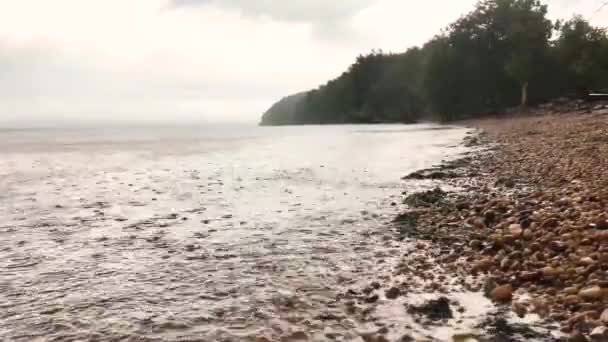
{"points": [[516, 231], [483, 265]]}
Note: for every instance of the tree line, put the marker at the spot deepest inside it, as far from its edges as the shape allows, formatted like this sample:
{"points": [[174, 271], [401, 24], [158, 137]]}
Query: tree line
{"points": [[502, 54]]}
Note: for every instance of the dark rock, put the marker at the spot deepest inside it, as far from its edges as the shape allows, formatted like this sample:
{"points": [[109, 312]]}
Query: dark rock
{"points": [[506, 182], [577, 336], [393, 293], [476, 244], [435, 310], [558, 246], [489, 218], [425, 199], [372, 299]]}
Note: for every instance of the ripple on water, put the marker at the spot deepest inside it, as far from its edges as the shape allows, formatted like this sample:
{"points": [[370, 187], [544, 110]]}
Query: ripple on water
{"points": [[194, 239]]}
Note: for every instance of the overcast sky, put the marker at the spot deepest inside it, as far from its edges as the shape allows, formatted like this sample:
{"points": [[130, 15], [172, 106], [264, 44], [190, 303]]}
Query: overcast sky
{"points": [[202, 60]]}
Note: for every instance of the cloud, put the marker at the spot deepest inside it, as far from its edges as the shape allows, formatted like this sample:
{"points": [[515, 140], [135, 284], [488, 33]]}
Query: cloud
{"points": [[315, 11], [329, 19], [39, 82]]}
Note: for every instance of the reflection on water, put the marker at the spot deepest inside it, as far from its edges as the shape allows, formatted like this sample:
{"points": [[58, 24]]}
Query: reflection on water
{"points": [[199, 233]]}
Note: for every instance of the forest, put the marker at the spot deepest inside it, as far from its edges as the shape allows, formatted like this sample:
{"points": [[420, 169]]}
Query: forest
{"points": [[503, 54]]}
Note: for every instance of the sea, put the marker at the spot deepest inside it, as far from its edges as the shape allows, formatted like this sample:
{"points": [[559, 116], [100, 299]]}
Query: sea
{"points": [[200, 233]]}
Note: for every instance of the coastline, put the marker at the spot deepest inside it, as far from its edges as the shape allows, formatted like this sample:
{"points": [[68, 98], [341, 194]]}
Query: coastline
{"points": [[528, 227], [531, 217]]}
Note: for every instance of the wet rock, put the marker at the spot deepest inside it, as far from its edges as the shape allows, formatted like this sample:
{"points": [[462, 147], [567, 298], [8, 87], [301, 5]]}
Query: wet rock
{"points": [[464, 338], [578, 337], [295, 337], [506, 182], [502, 293], [601, 224], [372, 299], [476, 244], [599, 334], [425, 199], [604, 317], [435, 310], [483, 265], [558, 246], [530, 275], [374, 338], [519, 309], [490, 218], [406, 338], [393, 293]]}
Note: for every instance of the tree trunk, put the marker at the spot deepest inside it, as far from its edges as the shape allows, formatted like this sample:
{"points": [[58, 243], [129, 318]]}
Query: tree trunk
{"points": [[524, 95]]}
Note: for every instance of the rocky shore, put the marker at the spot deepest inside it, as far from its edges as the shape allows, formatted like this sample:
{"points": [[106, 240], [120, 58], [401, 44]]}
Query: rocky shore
{"points": [[528, 225], [510, 242]]}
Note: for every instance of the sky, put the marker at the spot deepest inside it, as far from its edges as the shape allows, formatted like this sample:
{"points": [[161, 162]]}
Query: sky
{"points": [[65, 61]]}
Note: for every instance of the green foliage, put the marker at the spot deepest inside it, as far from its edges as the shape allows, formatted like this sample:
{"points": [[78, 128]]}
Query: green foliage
{"points": [[498, 56], [583, 49]]}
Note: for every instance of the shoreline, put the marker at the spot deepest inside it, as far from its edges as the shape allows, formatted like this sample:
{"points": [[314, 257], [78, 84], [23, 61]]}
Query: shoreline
{"points": [[529, 223]]}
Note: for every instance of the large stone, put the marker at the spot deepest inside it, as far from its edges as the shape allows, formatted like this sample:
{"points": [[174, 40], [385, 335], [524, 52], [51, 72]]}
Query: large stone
{"points": [[393, 293], [578, 337], [587, 261], [604, 317], [298, 336], [594, 293], [599, 334], [503, 293]]}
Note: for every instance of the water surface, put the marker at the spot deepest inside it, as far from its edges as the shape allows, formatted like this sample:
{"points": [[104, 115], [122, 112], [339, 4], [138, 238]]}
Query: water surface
{"points": [[199, 233]]}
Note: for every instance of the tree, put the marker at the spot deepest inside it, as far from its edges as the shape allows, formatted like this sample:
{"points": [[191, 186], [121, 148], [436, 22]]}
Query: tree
{"points": [[499, 55], [583, 52]]}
